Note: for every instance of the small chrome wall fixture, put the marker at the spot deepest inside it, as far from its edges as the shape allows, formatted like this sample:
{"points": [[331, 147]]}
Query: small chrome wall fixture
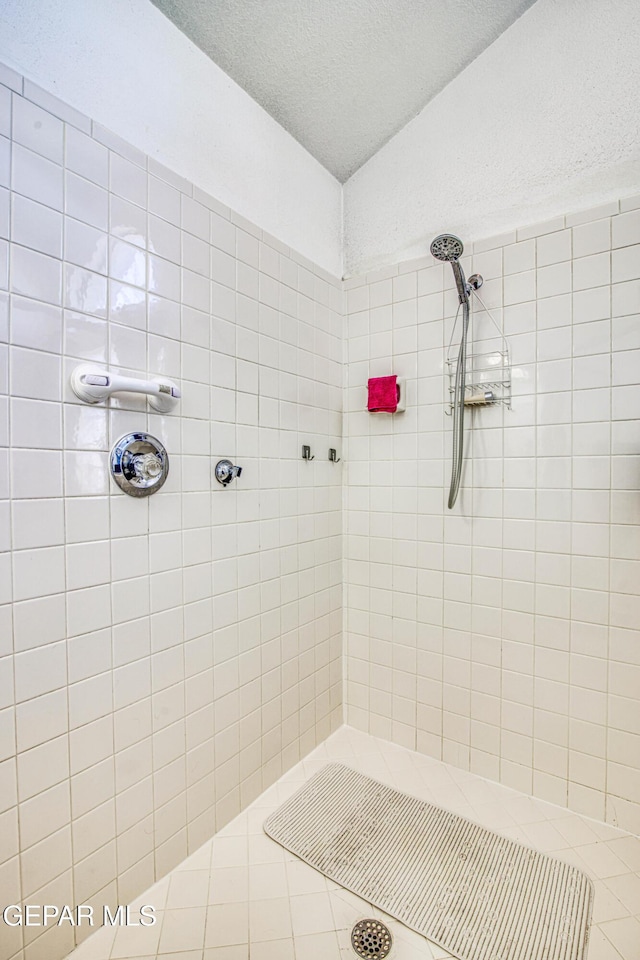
{"points": [[95, 384], [333, 455], [139, 464], [226, 472], [306, 453]]}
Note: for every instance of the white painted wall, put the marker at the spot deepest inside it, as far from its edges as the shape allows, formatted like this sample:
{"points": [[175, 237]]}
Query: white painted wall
{"points": [[124, 64], [544, 121]]}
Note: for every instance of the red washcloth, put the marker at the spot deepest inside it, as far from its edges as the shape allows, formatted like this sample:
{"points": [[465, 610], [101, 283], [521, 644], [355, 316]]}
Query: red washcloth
{"points": [[384, 394]]}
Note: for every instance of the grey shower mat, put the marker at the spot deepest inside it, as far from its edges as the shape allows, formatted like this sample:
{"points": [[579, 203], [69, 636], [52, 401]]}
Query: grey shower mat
{"points": [[479, 895]]}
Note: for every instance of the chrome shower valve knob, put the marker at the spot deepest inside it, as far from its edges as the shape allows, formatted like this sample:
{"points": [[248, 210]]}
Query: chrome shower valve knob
{"points": [[226, 472], [139, 464], [147, 466]]}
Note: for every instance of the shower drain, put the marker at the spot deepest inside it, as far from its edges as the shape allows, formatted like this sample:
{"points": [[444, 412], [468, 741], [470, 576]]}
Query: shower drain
{"points": [[370, 938]]}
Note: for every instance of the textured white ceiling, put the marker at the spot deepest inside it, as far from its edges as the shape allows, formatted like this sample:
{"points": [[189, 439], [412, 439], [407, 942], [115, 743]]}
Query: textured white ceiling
{"points": [[343, 76]]}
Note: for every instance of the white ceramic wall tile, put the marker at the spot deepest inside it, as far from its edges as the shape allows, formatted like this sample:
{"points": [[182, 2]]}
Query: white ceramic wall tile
{"points": [[5, 111], [36, 177], [35, 275], [36, 226], [625, 229], [86, 157], [112, 264], [553, 247], [86, 201], [128, 221], [37, 129], [36, 324], [85, 246], [127, 180]]}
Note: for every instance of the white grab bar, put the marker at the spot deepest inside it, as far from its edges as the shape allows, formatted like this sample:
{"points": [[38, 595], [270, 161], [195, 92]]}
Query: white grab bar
{"points": [[95, 384]]}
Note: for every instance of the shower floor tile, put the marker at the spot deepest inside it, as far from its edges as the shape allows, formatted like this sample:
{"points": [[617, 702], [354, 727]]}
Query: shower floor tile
{"points": [[241, 896]]}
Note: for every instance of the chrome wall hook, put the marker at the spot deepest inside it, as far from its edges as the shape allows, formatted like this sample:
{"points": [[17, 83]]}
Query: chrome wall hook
{"points": [[306, 453], [332, 455]]}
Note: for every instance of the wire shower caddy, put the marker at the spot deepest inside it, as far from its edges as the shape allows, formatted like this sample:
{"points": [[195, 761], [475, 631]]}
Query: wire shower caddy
{"points": [[487, 371]]}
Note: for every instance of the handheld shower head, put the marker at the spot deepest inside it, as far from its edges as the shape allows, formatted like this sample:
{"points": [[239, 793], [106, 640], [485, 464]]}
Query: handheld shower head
{"points": [[449, 248], [446, 247]]}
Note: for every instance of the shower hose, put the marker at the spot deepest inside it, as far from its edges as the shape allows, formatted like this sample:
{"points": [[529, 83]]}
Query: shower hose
{"points": [[458, 410]]}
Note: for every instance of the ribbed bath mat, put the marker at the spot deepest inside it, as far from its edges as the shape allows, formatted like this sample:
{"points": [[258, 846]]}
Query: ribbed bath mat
{"points": [[477, 894]]}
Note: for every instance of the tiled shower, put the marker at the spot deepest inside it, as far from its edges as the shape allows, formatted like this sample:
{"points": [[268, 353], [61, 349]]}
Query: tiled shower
{"points": [[503, 636], [165, 661]]}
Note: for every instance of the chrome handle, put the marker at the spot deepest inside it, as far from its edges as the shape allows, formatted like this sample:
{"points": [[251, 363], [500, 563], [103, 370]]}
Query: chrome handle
{"points": [[147, 466], [226, 472], [139, 464]]}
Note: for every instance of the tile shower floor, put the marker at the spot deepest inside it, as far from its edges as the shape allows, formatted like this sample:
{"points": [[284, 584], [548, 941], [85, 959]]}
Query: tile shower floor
{"points": [[242, 897]]}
